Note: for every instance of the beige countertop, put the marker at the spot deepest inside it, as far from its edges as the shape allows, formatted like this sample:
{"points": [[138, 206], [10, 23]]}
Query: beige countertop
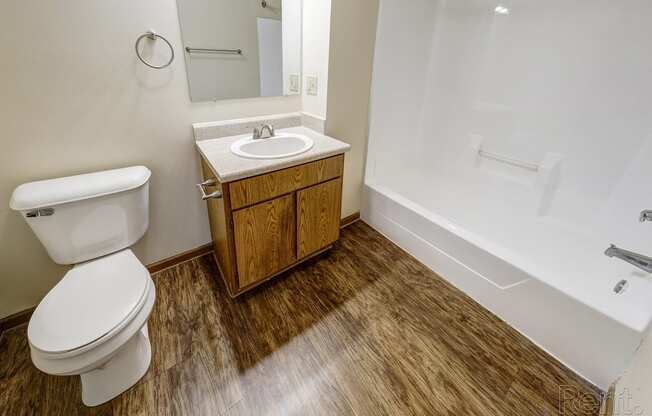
{"points": [[230, 167]]}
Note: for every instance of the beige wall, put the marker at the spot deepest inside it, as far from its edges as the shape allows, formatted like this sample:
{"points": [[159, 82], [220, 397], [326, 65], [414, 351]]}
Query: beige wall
{"points": [[316, 39], [74, 98], [353, 34]]}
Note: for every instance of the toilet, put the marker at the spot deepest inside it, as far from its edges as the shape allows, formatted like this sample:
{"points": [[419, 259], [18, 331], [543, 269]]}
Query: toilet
{"points": [[93, 323]]}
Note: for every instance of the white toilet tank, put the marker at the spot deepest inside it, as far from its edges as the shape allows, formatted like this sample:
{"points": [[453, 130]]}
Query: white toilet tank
{"points": [[79, 218]]}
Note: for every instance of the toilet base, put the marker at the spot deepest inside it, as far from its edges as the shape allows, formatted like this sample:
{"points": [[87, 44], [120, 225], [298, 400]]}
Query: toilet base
{"points": [[120, 372]]}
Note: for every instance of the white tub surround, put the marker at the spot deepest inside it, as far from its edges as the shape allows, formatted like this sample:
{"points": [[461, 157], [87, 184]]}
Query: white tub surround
{"points": [[229, 167]]}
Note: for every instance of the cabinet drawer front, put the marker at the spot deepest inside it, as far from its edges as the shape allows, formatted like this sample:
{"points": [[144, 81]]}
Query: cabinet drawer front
{"points": [[318, 212], [267, 186], [265, 239]]}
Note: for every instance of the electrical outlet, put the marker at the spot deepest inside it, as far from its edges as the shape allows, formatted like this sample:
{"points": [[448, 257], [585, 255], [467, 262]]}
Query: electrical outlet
{"points": [[294, 83], [311, 85]]}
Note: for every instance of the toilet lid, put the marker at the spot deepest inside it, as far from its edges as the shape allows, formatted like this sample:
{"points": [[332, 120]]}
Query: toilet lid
{"points": [[92, 299]]}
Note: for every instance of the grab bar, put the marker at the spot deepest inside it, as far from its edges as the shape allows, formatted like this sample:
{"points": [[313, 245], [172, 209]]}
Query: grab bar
{"points": [[204, 50], [508, 160]]}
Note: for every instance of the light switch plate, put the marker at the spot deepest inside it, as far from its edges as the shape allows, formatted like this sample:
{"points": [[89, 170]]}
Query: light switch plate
{"points": [[311, 85], [294, 83]]}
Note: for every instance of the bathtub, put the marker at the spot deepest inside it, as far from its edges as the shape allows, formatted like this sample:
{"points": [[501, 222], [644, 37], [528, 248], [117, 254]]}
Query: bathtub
{"points": [[545, 278]]}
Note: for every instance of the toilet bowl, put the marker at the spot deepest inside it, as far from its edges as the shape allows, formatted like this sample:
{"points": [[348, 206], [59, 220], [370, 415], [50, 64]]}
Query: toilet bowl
{"points": [[93, 323]]}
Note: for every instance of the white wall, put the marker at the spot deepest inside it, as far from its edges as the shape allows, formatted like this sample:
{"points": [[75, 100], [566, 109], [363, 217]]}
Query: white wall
{"points": [[270, 51], [76, 99], [292, 42], [316, 43], [349, 83]]}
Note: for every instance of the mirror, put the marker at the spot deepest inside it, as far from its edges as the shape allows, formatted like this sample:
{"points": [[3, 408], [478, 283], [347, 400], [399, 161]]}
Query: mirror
{"points": [[241, 48]]}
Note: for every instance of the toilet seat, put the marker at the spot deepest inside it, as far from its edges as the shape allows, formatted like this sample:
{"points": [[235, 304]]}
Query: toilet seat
{"points": [[94, 301]]}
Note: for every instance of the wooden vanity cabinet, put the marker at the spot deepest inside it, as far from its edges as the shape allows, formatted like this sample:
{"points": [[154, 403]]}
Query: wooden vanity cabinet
{"points": [[266, 224]]}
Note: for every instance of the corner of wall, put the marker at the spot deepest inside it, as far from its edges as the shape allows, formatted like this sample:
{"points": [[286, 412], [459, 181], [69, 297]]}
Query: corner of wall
{"points": [[349, 87]]}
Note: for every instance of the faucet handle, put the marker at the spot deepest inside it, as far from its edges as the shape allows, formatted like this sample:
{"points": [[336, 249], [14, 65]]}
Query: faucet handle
{"points": [[260, 131], [646, 215]]}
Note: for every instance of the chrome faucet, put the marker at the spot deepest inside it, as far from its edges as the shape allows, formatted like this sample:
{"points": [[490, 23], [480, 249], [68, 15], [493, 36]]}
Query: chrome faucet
{"points": [[258, 132], [635, 259]]}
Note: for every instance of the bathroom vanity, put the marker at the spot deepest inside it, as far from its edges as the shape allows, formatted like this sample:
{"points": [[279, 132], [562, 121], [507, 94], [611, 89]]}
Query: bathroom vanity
{"points": [[268, 215]]}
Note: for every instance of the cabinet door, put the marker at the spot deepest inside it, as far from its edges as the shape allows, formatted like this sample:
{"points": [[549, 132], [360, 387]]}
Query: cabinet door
{"points": [[265, 239], [318, 211]]}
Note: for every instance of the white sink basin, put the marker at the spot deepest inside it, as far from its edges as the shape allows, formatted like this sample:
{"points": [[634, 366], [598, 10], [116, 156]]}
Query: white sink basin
{"points": [[279, 146]]}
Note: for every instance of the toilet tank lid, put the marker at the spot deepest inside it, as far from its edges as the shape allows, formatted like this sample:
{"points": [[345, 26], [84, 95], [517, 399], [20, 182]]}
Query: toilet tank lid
{"points": [[58, 191]]}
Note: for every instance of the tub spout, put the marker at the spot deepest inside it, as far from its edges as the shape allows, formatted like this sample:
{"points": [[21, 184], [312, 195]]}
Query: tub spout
{"points": [[635, 259]]}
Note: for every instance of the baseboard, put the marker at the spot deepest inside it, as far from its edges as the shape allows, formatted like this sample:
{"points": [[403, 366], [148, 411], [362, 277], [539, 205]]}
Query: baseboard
{"points": [[349, 220], [22, 317], [207, 248], [180, 258], [15, 319]]}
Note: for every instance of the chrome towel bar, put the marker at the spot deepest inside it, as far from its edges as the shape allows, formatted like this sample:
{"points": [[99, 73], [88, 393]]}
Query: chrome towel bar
{"points": [[204, 50]]}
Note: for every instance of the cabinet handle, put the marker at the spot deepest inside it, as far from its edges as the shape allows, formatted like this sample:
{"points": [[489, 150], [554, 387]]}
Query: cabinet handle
{"points": [[209, 182]]}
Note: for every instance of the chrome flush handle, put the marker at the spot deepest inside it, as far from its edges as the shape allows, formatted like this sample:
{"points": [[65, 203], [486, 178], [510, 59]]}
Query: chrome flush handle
{"points": [[210, 182], [40, 212], [646, 215]]}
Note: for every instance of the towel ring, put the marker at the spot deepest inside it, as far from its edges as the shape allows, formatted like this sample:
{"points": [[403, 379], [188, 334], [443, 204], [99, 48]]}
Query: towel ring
{"points": [[150, 34]]}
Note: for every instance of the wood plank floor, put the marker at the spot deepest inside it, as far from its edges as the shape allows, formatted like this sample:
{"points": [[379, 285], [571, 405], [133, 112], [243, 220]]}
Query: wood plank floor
{"points": [[362, 330]]}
